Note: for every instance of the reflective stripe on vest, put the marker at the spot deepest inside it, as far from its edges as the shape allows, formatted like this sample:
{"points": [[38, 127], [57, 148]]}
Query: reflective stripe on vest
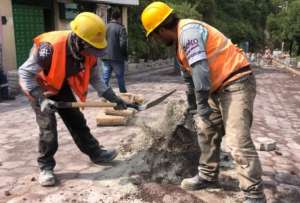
{"points": [[53, 82], [223, 56]]}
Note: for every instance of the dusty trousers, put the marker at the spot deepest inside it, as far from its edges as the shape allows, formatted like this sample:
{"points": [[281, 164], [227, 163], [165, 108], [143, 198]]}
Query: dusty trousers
{"points": [[75, 122], [232, 118]]}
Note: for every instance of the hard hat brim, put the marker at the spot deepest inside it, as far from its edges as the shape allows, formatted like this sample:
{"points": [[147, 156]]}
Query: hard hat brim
{"points": [[150, 31]]}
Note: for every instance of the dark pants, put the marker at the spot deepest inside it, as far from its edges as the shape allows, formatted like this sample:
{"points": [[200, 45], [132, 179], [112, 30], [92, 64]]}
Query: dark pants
{"points": [[3, 84], [74, 121], [119, 68]]}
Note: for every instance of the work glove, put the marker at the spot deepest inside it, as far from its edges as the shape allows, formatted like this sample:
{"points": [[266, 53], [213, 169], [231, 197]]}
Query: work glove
{"points": [[46, 105], [112, 97], [191, 103], [203, 108]]}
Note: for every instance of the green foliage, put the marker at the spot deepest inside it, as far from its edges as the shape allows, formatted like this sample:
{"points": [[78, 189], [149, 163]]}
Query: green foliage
{"points": [[284, 25], [139, 46], [240, 20]]}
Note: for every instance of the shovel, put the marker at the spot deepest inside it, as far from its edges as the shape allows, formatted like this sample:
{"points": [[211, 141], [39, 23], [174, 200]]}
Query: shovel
{"points": [[101, 104]]}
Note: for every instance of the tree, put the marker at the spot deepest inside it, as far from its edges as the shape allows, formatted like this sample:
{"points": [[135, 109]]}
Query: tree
{"points": [[284, 24], [139, 46]]}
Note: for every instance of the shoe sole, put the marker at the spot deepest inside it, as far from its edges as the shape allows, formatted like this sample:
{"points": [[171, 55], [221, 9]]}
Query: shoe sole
{"points": [[108, 160], [199, 187], [48, 184]]}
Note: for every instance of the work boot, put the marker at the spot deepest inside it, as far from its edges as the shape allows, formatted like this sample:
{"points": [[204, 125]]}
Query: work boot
{"points": [[196, 183], [47, 178], [255, 200], [104, 156]]}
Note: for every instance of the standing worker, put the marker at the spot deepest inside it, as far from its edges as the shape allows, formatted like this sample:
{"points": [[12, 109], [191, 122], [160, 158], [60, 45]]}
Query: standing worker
{"points": [[116, 51], [221, 91], [60, 63]]}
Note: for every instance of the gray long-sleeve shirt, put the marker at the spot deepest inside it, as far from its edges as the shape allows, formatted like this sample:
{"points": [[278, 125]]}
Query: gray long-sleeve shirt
{"points": [[193, 39], [29, 69]]}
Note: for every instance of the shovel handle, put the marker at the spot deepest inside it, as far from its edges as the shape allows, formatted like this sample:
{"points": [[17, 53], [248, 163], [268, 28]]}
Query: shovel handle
{"points": [[95, 104]]}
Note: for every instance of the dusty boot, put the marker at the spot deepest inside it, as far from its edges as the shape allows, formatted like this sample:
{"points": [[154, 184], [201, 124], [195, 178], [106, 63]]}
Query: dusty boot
{"points": [[255, 200], [104, 156], [196, 183], [47, 178]]}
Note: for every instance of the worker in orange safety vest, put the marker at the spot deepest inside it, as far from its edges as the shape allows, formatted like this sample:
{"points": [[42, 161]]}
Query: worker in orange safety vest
{"points": [[62, 63], [220, 94]]}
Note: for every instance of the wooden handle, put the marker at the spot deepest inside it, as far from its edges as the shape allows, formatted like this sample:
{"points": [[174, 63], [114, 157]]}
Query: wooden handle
{"points": [[96, 104]]}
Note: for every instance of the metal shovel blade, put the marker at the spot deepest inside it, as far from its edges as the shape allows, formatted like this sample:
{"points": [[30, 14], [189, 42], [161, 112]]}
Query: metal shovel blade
{"points": [[156, 101]]}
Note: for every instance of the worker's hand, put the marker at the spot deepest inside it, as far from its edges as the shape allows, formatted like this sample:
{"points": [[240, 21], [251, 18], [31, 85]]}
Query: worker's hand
{"points": [[121, 105], [210, 120], [205, 118], [48, 106]]}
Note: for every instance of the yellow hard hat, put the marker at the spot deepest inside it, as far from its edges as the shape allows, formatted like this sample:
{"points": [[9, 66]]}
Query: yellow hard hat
{"points": [[91, 28], [154, 14]]}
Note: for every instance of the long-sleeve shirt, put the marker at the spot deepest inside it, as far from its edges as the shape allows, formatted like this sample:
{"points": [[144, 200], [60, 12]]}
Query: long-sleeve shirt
{"points": [[42, 56], [193, 39]]}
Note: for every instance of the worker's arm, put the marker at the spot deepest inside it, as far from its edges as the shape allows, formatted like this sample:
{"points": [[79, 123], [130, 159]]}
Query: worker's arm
{"points": [[123, 42], [39, 58], [190, 93], [193, 40], [96, 79], [201, 79], [28, 70], [102, 89]]}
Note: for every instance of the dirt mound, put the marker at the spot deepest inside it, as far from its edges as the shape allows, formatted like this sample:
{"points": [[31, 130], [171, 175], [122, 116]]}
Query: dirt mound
{"points": [[168, 150]]}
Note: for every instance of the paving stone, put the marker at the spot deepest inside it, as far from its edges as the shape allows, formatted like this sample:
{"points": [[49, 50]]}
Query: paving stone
{"points": [[12, 164], [269, 181], [282, 160], [282, 176], [265, 144], [268, 170]]}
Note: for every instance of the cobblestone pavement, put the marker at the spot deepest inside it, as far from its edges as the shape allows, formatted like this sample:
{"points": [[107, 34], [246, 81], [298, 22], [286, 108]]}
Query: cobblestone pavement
{"points": [[277, 116]]}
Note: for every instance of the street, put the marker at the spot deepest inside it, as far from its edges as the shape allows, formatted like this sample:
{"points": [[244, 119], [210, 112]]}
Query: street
{"points": [[276, 116]]}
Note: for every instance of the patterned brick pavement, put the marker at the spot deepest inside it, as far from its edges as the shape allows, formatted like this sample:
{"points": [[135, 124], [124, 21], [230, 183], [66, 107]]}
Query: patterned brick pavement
{"points": [[277, 116]]}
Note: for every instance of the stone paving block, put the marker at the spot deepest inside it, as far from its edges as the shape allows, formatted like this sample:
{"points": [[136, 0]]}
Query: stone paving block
{"points": [[269, 181], [285, 177], [265, 144]]}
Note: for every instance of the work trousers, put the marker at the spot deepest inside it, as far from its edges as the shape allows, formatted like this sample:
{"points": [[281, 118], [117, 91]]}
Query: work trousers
{"points": [[233, 108], [74, 121]]}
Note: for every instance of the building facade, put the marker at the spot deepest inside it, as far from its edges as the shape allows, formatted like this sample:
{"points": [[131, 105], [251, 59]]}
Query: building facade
{"points": [[21, 20]]}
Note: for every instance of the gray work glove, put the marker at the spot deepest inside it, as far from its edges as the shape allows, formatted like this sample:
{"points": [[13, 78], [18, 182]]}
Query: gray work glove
{"points": [[191, 101], [46, 105], [112, 97], [203, 108]]}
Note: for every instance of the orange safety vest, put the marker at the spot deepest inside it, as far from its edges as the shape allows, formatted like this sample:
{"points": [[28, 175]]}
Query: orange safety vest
{"points": [[223, 56], [53, 82]]}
